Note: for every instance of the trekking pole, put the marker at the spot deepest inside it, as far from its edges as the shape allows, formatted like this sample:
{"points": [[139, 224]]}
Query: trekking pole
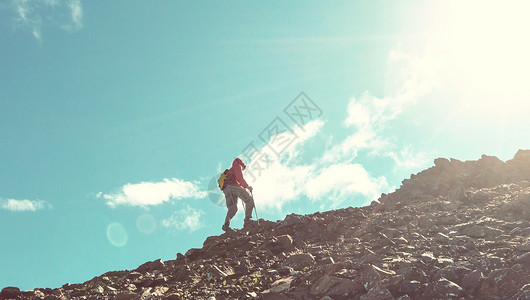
{"points": [[255, 207]]}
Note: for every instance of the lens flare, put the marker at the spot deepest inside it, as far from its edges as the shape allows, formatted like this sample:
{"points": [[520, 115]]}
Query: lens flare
{"points": [[214, 193], [146, 223], [116, 234]]}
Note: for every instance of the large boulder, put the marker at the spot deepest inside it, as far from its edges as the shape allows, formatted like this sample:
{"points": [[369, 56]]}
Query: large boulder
{"points": [[299, 261], [346, 289], [150, 266], [323, 285], [443, 289], [10, 292], [279, 244]]}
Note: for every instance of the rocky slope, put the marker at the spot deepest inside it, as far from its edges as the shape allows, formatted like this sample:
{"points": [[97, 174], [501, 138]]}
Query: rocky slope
{"points": [[458, 230]]}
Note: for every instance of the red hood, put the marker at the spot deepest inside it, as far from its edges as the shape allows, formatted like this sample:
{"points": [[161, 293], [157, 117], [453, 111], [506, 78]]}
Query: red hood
{"points": [[238, 162]]}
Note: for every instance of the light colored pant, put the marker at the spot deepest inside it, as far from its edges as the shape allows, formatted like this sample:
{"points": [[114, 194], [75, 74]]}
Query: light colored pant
{"points": [[232, 193]]}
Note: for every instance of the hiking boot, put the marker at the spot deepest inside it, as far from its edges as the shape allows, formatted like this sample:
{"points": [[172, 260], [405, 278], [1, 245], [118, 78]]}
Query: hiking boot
{"points": [[227, 228], [249, 223]]}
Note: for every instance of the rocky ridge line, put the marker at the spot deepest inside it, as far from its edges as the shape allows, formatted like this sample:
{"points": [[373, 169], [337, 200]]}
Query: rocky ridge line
{"points": [[458, 230]]}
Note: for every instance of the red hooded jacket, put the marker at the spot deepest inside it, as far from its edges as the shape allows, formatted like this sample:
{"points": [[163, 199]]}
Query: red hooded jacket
{"points": [[235, 174]]}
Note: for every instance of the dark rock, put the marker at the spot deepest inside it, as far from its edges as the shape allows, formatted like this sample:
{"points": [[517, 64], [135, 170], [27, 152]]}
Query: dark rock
{"points": [[210, 241], [214, 273], [457, 195], [180, 256], [442, 162], [523, 293], [523, 259], [285, 270], [416, 274], [182, 275], [327, 260], [391, 233], [443, 289], [299, 261], [33, 294], [377, 293], [401, 241], [10, 292], [393, 284], [487, 289], [173, 296], [293, 219], [410, 287], [522, 155], [279, 244], [370, 258], [371, 276], [476, 231], [280, 285], [193, 253], [274, 296], [493, 233], [453, 273], [472, 280], [504, 283], [491, 263], [323, 285], [425, 222], [133, 275], [346, 289], [490, 161], [525, 232], [126, 296], [441, 238], [428, 258], [150, 266]]}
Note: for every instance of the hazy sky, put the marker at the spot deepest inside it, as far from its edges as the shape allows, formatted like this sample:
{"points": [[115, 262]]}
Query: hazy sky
{"points": [[117, 116]]}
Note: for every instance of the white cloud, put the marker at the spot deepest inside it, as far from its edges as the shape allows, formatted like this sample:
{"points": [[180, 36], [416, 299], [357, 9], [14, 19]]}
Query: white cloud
{"points": [[145, 194], [358, 114], [24, 205], [338, 181], [186, 218], [279, 184], [279, 180], [304, 133], [76, 15], [282, 181], [414, 76], [347, 150], [32, 15], [27, 18], [407, 159], [309, 130]]}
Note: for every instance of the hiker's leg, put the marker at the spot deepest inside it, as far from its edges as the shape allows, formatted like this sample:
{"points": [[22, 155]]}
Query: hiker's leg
{"points": [[231, 204], [249, 202]]}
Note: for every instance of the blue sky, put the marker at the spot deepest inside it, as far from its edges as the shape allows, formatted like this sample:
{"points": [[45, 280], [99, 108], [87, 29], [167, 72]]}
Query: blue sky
{"points": [[116, 116]]}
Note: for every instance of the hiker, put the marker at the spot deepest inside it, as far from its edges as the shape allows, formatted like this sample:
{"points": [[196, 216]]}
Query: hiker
{"points": [[234, 188]]}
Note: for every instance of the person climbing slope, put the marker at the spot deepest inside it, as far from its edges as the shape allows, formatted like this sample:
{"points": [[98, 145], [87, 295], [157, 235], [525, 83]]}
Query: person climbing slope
{"points": [[236, 187]]}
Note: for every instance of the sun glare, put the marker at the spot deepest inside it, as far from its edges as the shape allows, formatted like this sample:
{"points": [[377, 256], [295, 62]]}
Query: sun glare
{"points": [[486, 46]]}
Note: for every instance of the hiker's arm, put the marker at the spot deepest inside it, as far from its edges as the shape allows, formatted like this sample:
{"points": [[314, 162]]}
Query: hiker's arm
{"points": [[239, 177]]}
